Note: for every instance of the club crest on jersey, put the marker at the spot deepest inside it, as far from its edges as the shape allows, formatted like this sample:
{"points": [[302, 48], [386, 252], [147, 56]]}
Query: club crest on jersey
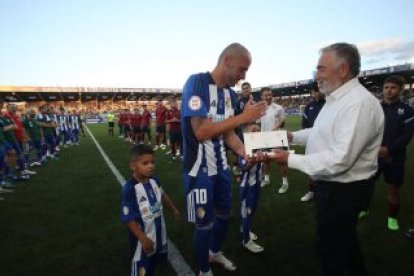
{"points": [[200, 212], [144, 211], [194, 103], [400, 111]]}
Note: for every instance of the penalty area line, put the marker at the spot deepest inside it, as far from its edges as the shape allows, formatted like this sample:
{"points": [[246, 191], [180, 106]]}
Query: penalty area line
{"points": [[175, 258]]}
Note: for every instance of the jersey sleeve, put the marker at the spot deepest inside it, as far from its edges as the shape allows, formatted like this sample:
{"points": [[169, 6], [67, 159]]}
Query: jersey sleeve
{"points": [[194, 103], [129, 205]]}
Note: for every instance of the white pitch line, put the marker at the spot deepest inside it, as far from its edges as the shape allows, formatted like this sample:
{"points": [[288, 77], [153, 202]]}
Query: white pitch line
{"points": [[174, 257]]}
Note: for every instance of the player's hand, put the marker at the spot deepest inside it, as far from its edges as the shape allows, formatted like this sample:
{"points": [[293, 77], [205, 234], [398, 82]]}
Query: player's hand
{"points": [[383, 152], [281, 156], [253, 111], [256, 157], [148, 246]]}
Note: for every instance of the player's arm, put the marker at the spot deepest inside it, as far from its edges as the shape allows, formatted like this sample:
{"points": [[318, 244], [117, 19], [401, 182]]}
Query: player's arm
{"points": [[147, 243], [282, 120], [170, 205], [43, 124], [173, 120], [9, 127], [234, 142], [204, 130]]}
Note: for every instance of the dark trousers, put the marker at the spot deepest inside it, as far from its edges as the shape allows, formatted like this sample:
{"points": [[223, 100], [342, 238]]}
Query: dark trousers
{"points": [[337, 208]]}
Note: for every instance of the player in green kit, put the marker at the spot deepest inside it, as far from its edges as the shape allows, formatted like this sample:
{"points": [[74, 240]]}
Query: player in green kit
{"points": [[48, 127], [34, 133]]}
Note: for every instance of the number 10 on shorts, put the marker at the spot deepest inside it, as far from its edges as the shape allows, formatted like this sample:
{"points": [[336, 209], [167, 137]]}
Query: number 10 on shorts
{"points": [[200, 196]]}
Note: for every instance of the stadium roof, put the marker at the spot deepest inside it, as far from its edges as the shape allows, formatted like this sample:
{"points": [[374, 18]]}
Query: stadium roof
{"points": [[372, 79], [32, 93]]}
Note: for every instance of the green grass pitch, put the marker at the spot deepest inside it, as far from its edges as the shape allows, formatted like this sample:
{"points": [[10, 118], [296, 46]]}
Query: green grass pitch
{"points": [[65, 221]]}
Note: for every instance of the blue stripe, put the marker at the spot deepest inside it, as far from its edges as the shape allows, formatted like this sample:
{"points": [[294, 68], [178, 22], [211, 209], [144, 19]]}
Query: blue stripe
{"points": [[220, 101]]}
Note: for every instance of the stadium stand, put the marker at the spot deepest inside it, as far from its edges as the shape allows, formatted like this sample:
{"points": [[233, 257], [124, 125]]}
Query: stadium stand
{"points": [[93, 100]]}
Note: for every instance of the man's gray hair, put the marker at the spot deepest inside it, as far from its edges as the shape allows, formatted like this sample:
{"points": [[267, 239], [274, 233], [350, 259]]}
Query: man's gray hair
{"points": [[234, 49], [348, 52]]}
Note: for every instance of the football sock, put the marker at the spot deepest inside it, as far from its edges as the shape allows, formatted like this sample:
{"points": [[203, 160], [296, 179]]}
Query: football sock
{"points": [[393, 209], [201, 242], [219, 233], [285, 181], [246, 229]]}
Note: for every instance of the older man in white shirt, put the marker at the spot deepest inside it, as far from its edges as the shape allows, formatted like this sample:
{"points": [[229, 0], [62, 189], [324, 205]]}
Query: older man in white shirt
{"points": [[341, 157]]}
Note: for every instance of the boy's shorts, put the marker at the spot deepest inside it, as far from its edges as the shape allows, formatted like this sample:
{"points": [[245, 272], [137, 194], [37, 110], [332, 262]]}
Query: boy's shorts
{"points": [[205, 194], [146, 265]]}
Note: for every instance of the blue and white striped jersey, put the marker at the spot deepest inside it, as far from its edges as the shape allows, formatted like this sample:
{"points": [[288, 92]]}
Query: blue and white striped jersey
{"points": [[252, 176], [74, 122], [63, 123], [202, 98], [142, 203]]}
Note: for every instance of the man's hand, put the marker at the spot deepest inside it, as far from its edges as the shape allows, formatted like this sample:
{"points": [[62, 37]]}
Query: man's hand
{"points": [[281, 156], [383, 152], [148, 246], [257, 157], [253, 111]]}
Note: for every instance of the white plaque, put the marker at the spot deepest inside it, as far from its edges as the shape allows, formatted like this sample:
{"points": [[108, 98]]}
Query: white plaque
{"points": [[265, 141]]}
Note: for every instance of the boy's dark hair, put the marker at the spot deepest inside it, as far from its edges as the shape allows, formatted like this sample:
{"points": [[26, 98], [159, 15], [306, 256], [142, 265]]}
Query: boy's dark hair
{"points": [[396, 79], [139, 150]]}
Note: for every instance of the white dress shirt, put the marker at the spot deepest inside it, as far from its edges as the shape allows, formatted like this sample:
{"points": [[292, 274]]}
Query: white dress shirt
{"points": [[274, 114], [344, 142]]}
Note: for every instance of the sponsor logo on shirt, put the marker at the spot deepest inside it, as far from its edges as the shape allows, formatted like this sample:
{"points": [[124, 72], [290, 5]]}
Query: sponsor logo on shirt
{"points": [[151, 212], [215, 118]]}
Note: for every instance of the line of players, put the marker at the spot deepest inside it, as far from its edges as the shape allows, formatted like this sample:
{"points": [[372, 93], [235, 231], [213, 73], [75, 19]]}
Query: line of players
{"points": [[40, 132], [135, 126]]}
